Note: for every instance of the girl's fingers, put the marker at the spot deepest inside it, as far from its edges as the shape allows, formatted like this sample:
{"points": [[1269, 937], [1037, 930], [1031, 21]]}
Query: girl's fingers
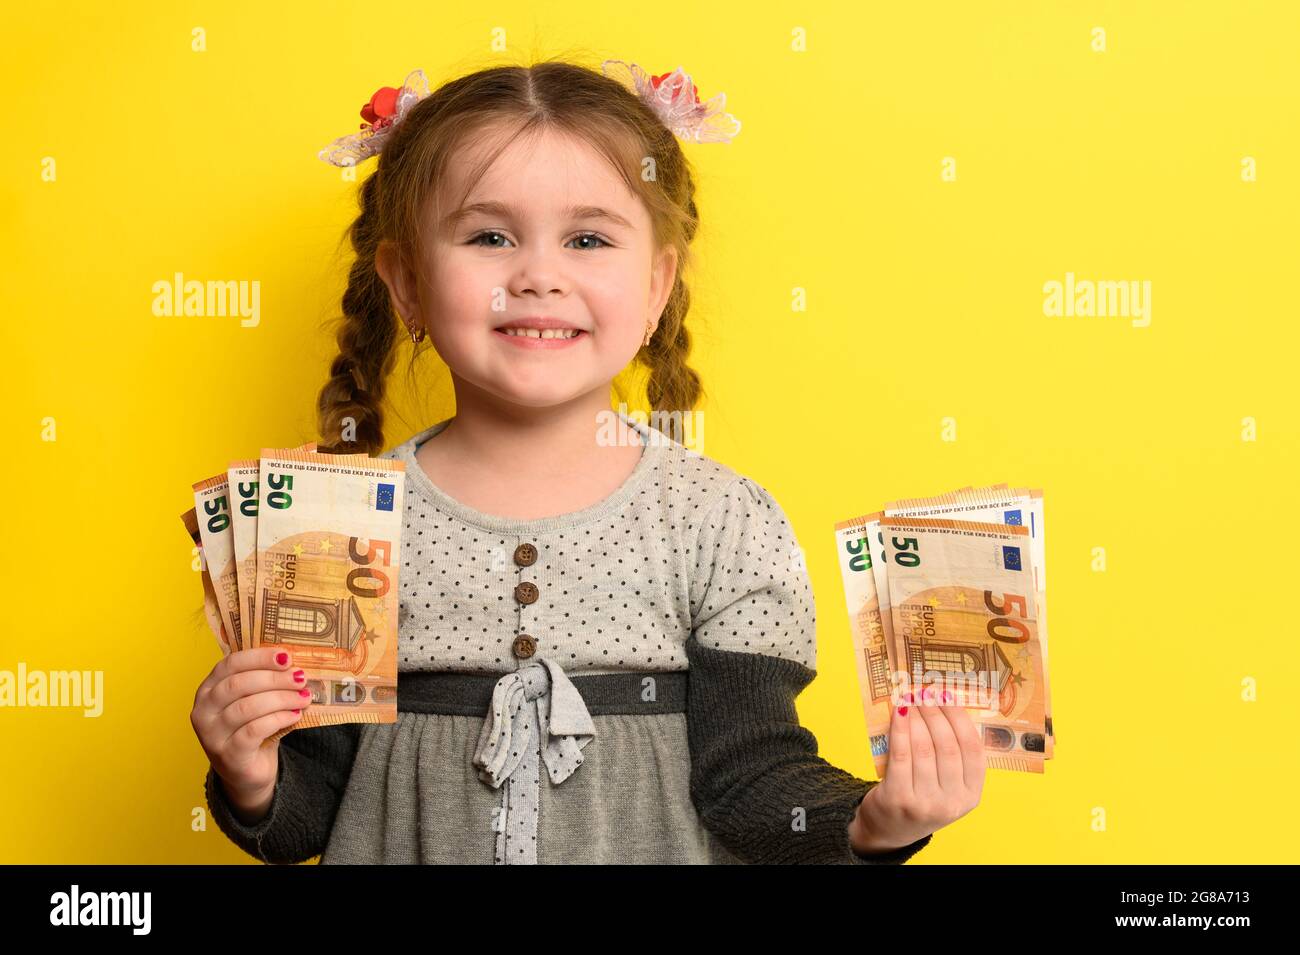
{"points": [[898, 768], [253, 733], [263, 658], [947, 754], [925, 774], [248, 709], [248, 682], [974, 762]]}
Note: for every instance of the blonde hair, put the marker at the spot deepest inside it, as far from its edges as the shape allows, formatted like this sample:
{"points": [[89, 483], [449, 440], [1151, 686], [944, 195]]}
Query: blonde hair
{"points": [[395, 199]]}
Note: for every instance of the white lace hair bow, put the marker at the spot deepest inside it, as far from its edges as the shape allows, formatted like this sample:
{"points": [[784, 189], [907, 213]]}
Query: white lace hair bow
{"points": [[676, 100], [673, 97]]}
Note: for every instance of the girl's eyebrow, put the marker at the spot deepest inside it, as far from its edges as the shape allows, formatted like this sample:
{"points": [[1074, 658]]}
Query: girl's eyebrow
{"points": [[493, 208]]}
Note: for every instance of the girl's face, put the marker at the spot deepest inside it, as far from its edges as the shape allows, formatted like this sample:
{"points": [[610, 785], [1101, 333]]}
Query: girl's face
{"points": [[550, 231]]}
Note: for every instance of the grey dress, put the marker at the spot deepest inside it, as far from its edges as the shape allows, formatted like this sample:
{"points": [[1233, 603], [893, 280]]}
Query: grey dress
{"points": [[611, 685]]}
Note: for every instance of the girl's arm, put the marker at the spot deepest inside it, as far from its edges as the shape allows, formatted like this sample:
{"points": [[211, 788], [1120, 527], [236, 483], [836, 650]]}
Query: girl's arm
{"points": [[756, 779], [314, 768]]}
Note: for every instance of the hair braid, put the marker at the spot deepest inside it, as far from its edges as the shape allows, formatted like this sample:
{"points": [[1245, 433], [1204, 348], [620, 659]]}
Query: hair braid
{"points": [[673, 385], [351, 418]]}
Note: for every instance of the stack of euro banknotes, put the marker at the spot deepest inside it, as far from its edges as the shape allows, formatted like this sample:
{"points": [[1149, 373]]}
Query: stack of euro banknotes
{"points": [[303, 550], [950, 592]]}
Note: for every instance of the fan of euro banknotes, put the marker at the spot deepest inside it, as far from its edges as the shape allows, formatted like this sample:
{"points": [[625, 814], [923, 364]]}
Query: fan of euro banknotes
{"points": [[302, 550], [950, 592]]}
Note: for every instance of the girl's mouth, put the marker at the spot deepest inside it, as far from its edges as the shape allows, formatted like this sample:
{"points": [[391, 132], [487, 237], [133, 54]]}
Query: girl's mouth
{"points": [[530, 339]]}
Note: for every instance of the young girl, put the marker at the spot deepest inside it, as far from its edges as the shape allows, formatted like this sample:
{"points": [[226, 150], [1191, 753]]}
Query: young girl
{"points": [[602, 633]]}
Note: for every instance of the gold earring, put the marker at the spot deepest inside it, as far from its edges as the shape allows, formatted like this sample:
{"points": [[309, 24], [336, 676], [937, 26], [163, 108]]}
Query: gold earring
{"points": [[649, 333], [415, 339]]}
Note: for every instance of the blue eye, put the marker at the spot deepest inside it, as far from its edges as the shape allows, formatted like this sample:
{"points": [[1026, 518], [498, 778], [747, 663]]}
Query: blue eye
{"points": [[590, 235], [483, 235], [476, 240]]}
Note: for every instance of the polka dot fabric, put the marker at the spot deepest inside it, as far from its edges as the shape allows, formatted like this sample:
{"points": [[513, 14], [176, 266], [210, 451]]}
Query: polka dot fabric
{"points": [[752, 580], [684, 544], [686, 566]]}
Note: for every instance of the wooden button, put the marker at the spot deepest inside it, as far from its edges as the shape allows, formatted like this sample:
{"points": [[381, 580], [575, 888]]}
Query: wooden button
{"points": [[526, 592], [524, 646], [525, 555]]}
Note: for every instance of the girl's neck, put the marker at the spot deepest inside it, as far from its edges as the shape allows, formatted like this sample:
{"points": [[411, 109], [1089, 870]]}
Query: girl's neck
{"points": [[543, 464]]}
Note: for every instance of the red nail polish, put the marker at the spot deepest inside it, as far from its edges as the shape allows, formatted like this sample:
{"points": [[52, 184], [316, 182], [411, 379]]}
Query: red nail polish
{"points": [[902, 711], [304, 692], [299, 676], [297, 712], [282, 658]]}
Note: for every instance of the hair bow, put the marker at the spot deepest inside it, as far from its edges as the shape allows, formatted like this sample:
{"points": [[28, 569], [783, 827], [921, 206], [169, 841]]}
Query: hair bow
{"points": [[676, 100], [385, 110]]}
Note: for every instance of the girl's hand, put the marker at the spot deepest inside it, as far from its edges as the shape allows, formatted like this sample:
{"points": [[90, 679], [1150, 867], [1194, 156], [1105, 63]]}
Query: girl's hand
{"points": [[934, 775], [249, 695]]}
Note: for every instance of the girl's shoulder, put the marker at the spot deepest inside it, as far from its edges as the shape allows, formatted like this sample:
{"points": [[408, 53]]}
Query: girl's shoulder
{"points": [[693, 476], [723, 511], [399, 450]]}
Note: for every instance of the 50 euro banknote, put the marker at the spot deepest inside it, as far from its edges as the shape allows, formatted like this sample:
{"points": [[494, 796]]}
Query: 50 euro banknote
{"points": [[327, 586], [952, 604], [211, 612], [1000, 504]]}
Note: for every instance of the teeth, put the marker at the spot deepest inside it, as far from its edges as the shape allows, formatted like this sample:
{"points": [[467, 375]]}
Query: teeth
{"points": [[542, 333]]}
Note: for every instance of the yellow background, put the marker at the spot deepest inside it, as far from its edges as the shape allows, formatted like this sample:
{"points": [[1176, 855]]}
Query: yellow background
{"points": [[925, 302]]}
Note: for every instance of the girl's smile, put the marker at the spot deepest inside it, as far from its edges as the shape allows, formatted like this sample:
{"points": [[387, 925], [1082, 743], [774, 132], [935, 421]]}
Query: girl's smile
{"points": [[536, 340]]}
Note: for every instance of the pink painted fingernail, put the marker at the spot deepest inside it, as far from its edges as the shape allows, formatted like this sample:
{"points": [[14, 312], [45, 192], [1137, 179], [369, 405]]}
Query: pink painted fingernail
{"points": [[902, 711], [304, 692], [299, 676], [282, 658], [297, 712]]}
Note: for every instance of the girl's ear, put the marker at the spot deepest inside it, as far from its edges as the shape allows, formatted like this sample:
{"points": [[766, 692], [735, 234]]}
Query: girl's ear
{"points": [[663, 275], [400, 280]]}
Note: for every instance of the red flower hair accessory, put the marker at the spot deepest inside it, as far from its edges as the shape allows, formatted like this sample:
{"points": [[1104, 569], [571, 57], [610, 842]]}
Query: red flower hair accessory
{"points": [[675, 99], [387, 107]]}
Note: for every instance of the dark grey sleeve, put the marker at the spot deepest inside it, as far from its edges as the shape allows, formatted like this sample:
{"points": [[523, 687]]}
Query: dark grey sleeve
{"points": [[753, 766], [315, 764]]}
